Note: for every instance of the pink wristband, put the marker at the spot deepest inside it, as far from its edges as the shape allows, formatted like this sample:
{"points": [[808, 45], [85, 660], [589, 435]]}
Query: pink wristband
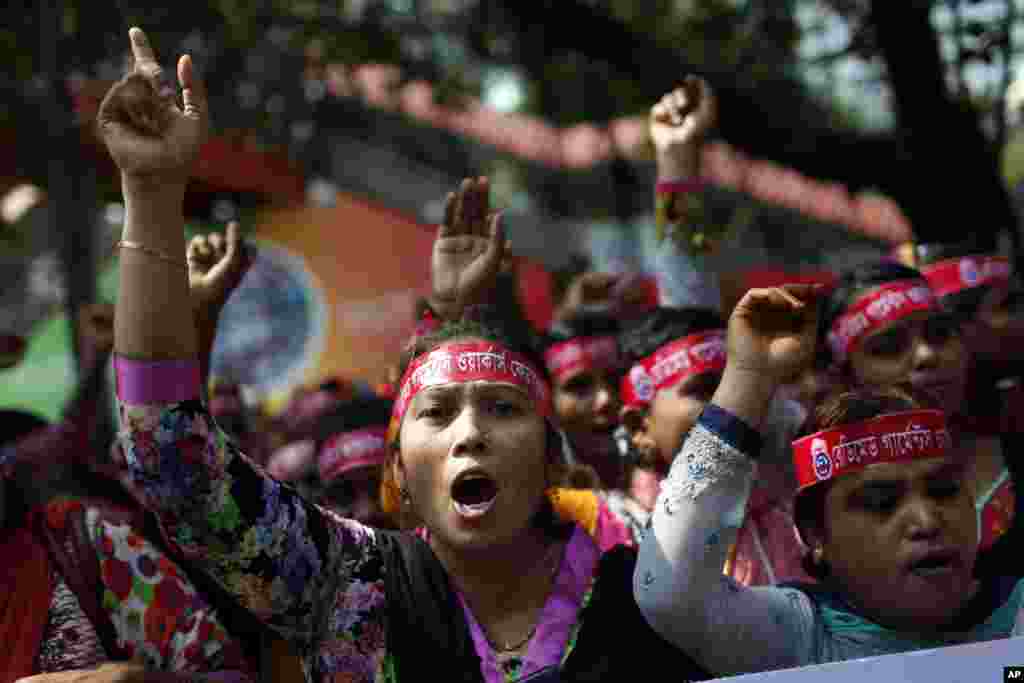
{"points": [[145, 382], [683, 186]]}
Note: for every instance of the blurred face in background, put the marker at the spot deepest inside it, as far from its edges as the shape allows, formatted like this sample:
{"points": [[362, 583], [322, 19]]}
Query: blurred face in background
{"points": [[355, 494], [671, 415], [923, 349], [587, 405]]}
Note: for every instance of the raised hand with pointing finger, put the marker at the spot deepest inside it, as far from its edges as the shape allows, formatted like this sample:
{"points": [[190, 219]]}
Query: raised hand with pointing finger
{"points": [[148, 134]]}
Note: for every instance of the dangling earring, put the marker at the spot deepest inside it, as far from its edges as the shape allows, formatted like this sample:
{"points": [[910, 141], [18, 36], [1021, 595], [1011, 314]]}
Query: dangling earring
{"points": [[403, 494], [818, 555]]}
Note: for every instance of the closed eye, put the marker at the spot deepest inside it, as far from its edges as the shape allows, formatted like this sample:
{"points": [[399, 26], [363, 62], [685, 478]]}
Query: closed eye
{"points": [[945, 489], [879, 499]]}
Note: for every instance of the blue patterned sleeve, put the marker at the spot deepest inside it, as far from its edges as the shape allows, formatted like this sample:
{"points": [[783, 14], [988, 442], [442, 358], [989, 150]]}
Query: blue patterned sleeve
{"points": [[728, 628]]}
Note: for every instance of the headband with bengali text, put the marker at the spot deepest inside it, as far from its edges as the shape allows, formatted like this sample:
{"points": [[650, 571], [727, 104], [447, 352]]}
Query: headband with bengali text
{"points": [[348, 450], [890, 302], [469, 362], [956, 275], [896, 437], [582, 353], [678, 360]]}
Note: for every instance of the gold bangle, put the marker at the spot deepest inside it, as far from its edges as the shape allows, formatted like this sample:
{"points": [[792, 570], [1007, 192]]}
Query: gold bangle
{"points": [[152, 252]]}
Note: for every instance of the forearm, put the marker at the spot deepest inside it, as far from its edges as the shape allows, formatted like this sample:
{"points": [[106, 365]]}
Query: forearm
{"points": [[679, 163], [679, 583], [154, 318], [206, 335], [679, 195]]}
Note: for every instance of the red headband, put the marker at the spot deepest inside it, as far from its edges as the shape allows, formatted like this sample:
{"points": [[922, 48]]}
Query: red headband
{"points": [[349, 450], [682, 358], [475, 361], [636, 389], [896, 437], [587, 353], [956, 275], [890, 302]]}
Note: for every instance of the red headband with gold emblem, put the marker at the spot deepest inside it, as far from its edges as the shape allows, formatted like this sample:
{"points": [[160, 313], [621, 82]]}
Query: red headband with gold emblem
{"points": [[895, 437]]}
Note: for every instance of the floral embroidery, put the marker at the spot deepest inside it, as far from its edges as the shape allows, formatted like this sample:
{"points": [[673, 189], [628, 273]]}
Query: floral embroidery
{"points": [[158, 615], [318, 579]]}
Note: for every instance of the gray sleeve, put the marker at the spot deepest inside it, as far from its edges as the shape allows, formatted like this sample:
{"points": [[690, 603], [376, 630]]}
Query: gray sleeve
{"points": [[727, 628]]}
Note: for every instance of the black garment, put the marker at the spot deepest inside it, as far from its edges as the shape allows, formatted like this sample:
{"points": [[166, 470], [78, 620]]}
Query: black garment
{"points": [[428, 630]]}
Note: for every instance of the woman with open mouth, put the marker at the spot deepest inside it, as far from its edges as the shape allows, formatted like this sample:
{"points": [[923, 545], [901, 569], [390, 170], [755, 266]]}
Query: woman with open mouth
{"points": [[883, 505], [499, 590], [882, 326]]}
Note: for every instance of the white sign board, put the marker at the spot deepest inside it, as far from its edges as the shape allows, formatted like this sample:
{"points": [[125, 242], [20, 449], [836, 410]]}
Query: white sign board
{"points": [[974, 663]]}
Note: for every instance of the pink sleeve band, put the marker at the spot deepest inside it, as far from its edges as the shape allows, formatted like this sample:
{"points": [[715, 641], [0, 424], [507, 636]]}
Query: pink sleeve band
{"points": [[686, 186], [147, 382]]}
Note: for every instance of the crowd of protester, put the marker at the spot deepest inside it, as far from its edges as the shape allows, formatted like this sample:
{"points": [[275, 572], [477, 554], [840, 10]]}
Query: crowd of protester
{"points": [[824, 474]]}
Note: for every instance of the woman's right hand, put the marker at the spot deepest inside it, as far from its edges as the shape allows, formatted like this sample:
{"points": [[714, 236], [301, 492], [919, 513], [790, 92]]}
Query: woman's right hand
{"points": [[771, 341], [679, 124], [773, 331], [148, 135]]}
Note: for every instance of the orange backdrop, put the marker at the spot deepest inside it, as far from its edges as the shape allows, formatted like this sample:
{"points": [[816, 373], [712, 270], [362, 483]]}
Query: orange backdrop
{"points": [[370, 264]]}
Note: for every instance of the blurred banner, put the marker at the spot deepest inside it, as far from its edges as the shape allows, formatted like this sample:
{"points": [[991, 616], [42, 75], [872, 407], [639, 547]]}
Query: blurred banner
{"points": [[958, 664], [332, 294]]}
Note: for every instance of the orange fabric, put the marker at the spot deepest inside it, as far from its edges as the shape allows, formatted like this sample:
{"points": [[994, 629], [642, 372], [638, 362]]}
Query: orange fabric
{"points": [[577, 505], [26, 588]]}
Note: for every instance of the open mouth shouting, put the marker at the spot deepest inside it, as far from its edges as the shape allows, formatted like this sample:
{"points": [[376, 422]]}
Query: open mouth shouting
{"points": [[474, 493], [935, 564]]}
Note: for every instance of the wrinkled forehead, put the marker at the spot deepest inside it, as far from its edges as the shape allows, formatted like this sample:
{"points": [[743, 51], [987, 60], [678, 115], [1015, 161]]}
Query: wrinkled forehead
{"points": [[457, 390]]}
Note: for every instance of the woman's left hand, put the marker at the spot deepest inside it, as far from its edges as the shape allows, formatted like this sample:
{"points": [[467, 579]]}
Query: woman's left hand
{"points": [[216, 265]]}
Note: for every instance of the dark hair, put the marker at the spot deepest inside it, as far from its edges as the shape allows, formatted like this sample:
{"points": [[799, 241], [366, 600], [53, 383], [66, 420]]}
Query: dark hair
{"points": [[963, 304], [648, 333], [845, 407], [588, 324], [15, 424], [358, 413], [850, 286]]}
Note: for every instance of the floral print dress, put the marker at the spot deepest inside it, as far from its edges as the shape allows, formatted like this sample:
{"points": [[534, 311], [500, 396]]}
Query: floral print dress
{"points": [[316, 578], [157, 614]]}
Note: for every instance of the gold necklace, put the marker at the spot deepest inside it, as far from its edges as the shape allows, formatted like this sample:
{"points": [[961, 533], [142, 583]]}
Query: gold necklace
{"points": [[515, 648]]}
